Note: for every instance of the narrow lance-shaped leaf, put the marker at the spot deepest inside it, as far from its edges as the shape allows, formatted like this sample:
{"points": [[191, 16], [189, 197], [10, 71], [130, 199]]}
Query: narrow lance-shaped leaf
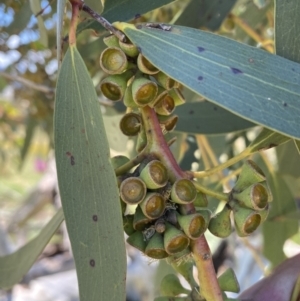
{"points": [[207, 118], [14, 266], [88, 185], [256, 85], [59, 27]]}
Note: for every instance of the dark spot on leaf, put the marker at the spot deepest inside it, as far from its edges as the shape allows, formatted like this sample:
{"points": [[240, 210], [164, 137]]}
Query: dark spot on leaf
{"points": [[200, 77], [95, 217], [236, 70], [139, 26], [200, 49], [293, 69], [209, 17], [191, 112], [68, 154], [285, 104], [82, 131], [137, 16], [215, 108], [72, 160], [92, 263]]}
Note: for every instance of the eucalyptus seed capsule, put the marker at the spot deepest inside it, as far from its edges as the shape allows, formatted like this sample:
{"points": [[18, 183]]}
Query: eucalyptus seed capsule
{"points": [[154, 174], [175, 240], [220, 224], [193, 225], [155, 248], [153, 205], [167, 123], [165, 81], [254, 197], [140, 221], [137, 240], [166, 106], [177, 97], [250, 174], [130, 124], [113, 60], [133, 190], [129, 48], [145, 66], [183, 192], [144, 91], [246, 220]]}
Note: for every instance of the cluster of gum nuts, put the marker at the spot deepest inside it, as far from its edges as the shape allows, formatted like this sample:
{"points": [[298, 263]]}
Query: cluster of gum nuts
{"points": [[151, 203]]}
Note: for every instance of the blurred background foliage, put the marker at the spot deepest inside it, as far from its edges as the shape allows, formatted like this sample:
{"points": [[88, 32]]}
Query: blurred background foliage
{"points": [[28, 73]]}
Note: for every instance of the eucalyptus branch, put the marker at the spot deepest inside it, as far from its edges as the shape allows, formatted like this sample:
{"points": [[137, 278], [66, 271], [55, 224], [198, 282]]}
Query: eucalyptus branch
{"points": [[104, 22], [27, 83]]}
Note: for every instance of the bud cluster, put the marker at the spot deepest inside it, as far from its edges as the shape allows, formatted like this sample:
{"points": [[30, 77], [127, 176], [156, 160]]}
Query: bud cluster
{"points": [[134, 80], [249, 201], [150, 204]]}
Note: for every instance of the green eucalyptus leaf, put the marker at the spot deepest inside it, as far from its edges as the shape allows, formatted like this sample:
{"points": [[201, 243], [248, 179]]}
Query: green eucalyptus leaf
{"points": [[279, 226], [267, 139], [208, 118], [287, 29], [122, 10], [14, 266], [36, 9], [21, 19], [256, 85], [88, 185], [207, 13], [59, 27], [31, 124]]}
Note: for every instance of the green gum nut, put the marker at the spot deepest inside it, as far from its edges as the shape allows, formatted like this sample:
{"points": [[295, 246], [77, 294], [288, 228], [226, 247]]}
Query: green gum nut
{"points": [[246, 220], [111, 41], [153, 205], [228, 281], [220, 224], [167, 123], [155, 248], [201, 200], [183, 192], [130, 124], [175, 240], [171, 286], [128, 98], [254, 197], [250, 174], [113, 87], [137, 240], [118, 161], [193, 225], [140, 221], [141, 142], [133, 190], [165, 81], [113, 60], [161, 93], [177, 97], [144, 91], [128, 224], [154, 174], [145, 66], [165, 106], [129, 49]]}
